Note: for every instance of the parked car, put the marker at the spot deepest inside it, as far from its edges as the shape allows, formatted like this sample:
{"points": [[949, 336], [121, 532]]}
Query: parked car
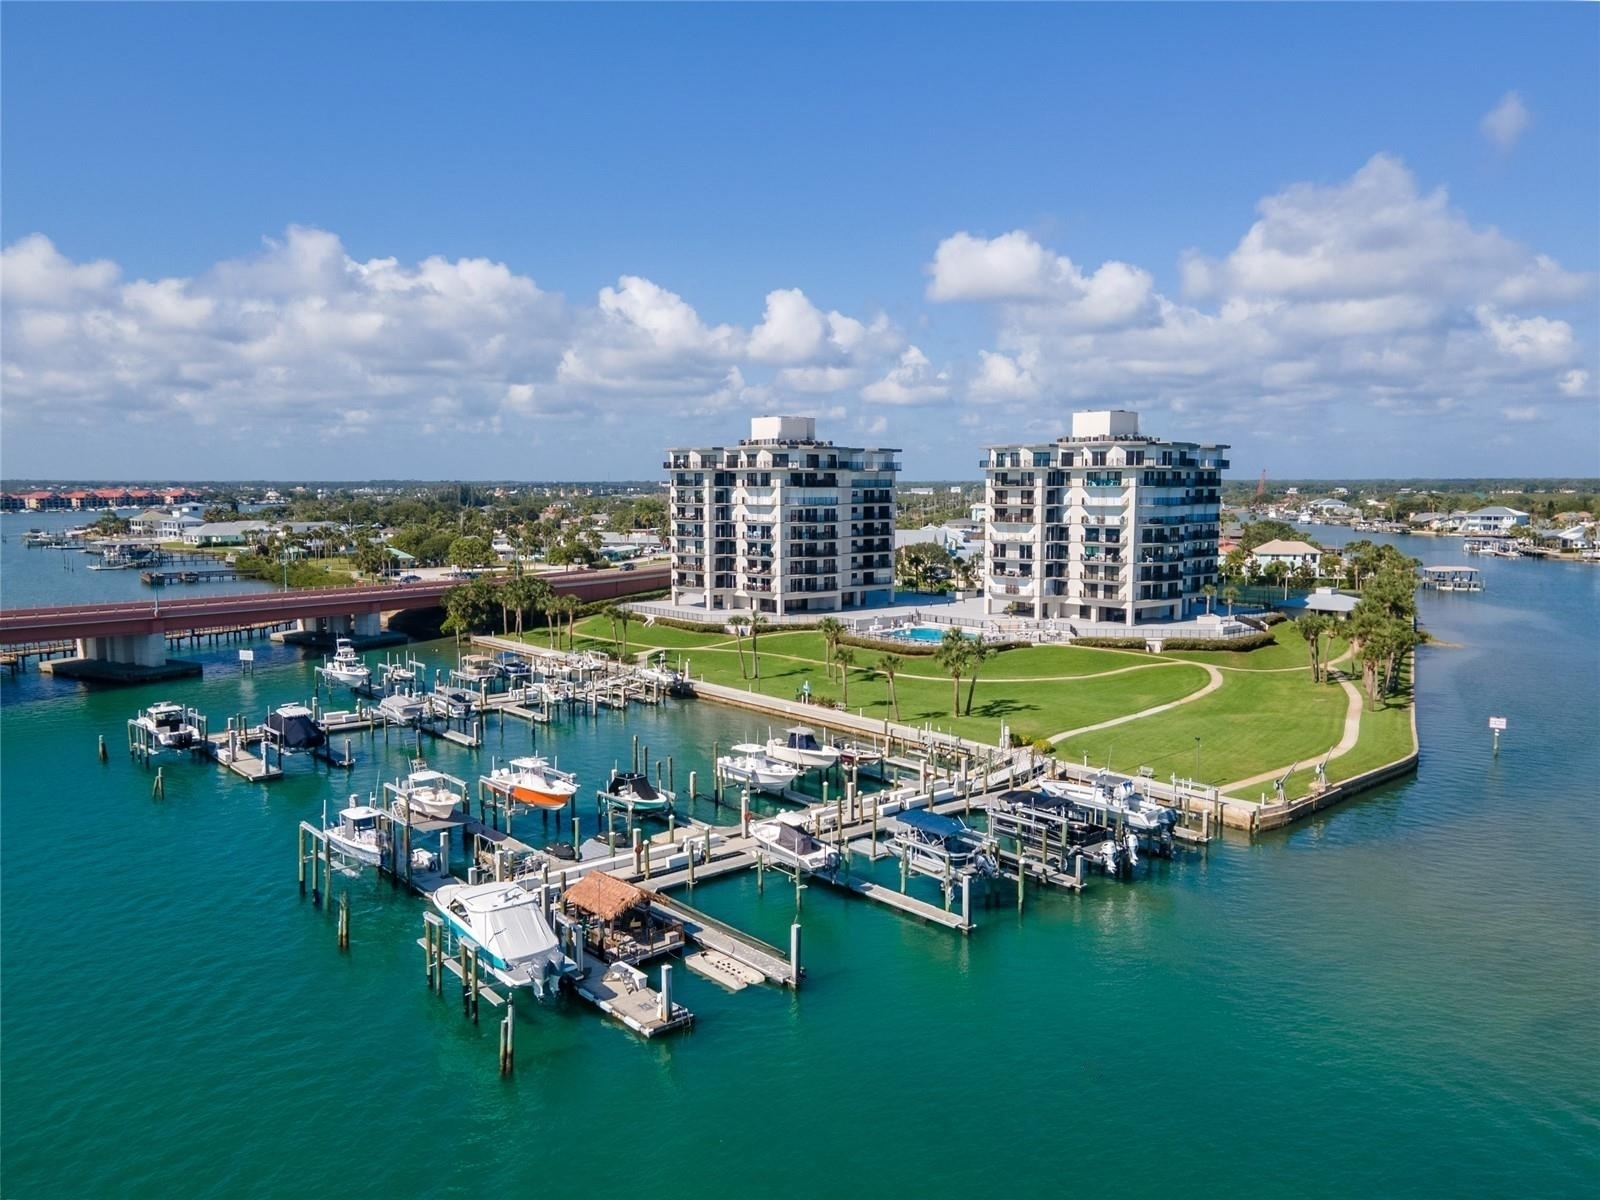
{"points": [[628, 566], [411, 579]]}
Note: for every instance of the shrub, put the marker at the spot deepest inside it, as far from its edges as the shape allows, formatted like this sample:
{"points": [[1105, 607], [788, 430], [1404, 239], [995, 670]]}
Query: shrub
{"points": [[1249, 641]]}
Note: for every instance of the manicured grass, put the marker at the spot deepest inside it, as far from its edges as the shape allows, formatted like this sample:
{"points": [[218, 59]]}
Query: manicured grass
{"points": [[1042, 662], [1255, 722], [1287, 652]]}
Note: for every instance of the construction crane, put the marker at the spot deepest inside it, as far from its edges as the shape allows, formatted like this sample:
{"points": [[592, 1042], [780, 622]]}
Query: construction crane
{"points": [[1261, 486]]}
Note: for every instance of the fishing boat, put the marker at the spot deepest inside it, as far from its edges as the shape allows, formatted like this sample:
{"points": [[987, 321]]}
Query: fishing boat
{"points": [[452, 703], [940, 846], [800, 747], [516, 669], [425, 793], [533, 781], [169, 726], [346, 666], [855, 754], [1112, 798], [634, 794], [294, 727], [509, 926], [750, 767], [787, 842], [356, 834]]}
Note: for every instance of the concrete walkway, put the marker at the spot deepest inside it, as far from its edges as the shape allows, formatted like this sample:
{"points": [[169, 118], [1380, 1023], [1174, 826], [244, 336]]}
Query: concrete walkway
{"points": [[1213, 685]]}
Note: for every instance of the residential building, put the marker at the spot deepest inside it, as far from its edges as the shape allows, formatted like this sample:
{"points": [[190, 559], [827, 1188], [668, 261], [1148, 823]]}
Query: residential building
{"points": [[1290, 553], [1105, 524], [782, 523], [1494, 519]]}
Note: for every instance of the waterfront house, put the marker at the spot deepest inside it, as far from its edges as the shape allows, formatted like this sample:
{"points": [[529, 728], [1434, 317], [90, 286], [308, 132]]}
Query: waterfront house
{"points": [[1290, 553], [1496, 519]]}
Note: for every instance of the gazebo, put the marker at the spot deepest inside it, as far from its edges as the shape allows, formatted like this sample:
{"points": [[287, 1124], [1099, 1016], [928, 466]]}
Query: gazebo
{"points": [[627, 929]]}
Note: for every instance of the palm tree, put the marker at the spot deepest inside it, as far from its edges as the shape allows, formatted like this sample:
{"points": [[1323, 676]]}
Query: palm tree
{"points": [[1229, 595], [977, 655], [740, 623], [832, 629], [757, 624], [569, 606], [623, 617], [952, 656], [610, 612], [1209, 591], [846, 658], [1312, 626], [889, 664]]}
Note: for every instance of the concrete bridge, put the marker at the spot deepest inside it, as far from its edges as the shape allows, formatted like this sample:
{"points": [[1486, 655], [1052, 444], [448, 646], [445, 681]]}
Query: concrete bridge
{"points": [[128, 639]]}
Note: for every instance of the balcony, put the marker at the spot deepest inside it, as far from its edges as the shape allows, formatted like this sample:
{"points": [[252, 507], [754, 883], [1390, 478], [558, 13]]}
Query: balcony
{"points": [[1012, 583], [1012, 531]]}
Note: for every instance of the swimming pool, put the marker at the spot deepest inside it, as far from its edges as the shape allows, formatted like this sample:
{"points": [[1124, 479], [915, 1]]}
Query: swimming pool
{"points": [[920, 633]]}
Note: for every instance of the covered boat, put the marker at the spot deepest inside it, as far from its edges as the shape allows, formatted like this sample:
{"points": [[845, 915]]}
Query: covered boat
{"points": [[939, 845], [786, 842], [800, 747], [293, 727], [509, 925]]}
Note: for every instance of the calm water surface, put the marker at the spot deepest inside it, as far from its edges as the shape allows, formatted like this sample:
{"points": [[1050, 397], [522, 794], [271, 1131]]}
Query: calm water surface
{"points": [[1396, 999]]}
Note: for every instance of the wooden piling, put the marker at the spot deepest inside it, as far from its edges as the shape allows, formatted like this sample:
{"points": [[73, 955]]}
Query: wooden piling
{"points": [[102, 747], [344, 920], [507, 1051]]}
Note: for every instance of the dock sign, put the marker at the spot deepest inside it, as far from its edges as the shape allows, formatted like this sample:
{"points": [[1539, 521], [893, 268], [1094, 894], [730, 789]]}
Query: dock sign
{"points": [[1498, 724]]}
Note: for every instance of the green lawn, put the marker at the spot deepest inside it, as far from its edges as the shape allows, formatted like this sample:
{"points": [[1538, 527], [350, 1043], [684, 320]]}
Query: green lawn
{"points": [[1287, 652]]}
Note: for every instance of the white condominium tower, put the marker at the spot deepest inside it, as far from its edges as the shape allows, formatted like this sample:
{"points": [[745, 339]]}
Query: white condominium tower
{"points": [[782, 523], [1104, 525]]}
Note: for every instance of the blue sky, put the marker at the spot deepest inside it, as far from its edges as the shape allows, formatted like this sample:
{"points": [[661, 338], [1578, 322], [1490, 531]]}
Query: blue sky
{"points": [[547, 241]]}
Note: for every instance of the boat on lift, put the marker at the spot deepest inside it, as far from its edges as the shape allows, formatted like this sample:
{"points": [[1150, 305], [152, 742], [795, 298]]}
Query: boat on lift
{"points": [[294, 727], [356, 835], [402, 708], [940, 846], [425, 793], [750, 766], [784, 840], [346, 666], [516, 669], [169, 726], [800, 747], [533, 781], [632, 793], [508, 924], [1117, 798]]}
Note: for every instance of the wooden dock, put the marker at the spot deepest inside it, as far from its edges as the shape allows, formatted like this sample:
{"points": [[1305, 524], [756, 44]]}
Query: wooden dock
{"points": [[709, 933], [620, 991], [235, 754]]}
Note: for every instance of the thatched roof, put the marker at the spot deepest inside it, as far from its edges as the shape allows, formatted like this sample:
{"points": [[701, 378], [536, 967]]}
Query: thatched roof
{"points": [[604, 896]]}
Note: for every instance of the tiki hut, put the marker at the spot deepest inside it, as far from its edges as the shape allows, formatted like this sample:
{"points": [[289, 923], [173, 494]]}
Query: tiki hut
{"points": [[624, 927]]}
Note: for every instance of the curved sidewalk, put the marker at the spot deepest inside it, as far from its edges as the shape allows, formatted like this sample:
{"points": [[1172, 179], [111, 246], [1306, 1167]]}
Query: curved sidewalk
{"points": [[1216, 682]]}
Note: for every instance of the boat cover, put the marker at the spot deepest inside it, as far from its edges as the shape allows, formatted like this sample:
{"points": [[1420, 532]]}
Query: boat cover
{"points": [[295, 729], [932, 824], [629, 783]]}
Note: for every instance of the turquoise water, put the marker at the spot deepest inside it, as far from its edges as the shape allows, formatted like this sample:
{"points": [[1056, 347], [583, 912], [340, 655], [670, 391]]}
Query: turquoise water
{"points": [[1397, 998]]}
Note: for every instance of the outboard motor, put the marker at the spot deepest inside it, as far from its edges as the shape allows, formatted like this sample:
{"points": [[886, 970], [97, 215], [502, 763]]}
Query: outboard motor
{"points": [[1131, 842]]}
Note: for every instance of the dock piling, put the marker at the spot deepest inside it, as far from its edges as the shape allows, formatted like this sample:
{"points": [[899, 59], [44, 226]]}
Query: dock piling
{"points": [[507, 1052], [344, 920], [794, 952], [666, 991], [102, 747]]}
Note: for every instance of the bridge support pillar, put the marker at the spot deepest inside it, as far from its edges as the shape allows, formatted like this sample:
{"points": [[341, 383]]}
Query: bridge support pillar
{"points": [[136, 649], [367, 624]]}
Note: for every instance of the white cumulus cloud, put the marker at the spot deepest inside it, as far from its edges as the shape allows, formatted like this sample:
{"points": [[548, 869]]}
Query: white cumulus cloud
{"points": [[1506, 122]]}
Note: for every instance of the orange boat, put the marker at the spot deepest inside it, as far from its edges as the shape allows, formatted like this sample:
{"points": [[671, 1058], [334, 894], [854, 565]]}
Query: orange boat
{"points": [[534, 782]]}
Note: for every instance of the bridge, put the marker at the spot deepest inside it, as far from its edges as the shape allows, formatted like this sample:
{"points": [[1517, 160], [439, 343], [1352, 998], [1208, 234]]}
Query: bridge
{"points": [[129, 637]]}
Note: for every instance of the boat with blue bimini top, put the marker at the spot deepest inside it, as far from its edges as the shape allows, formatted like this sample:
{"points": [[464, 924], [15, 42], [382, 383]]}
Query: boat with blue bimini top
{"points": [[800, 747], [508, 924], [940, 846]]}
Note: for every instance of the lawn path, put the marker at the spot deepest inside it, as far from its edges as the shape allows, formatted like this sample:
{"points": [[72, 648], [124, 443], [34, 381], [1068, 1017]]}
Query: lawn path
{"points": [[1352, 731], [1213, 685]]}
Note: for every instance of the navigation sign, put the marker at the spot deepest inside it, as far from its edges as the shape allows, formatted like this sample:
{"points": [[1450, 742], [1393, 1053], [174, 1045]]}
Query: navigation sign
{"points": [[1497, 724]]}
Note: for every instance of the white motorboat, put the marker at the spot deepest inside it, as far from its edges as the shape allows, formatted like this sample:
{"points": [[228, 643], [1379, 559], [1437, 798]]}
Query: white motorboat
{"points": [[509, 925], [800, 747], [750, 766], [346, 666], [356, 834], [425, 793], [168, 726], [452, 703], [402, 708], [632, 793], [787, 842], [533, 781], [1117, 797]]}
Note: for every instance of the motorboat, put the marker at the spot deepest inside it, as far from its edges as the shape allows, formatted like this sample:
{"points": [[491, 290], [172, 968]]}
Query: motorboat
{"points": [[787, 842], [346, 666], [402, 708], [633, 793], [533, 781], [397, 675], [854, 754], [169, 726], [452, 703], [800, 747], [478, 669], [294, 727], [508, 924], [1117, 798], [939, 845], [356, 836], [425, 793], [749, 766], [516, 669]]}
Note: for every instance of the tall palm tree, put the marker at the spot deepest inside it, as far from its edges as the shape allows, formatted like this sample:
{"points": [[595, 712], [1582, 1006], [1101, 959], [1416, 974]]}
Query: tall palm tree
{"points": [[610, 612], [1312, 626], [1229, 595], [977, 655], [832, 629], [623, 617], [757, 624], [1209, 591], [846, 658], [740, 623], [889, 664], [569, 609], [952, 657]]}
